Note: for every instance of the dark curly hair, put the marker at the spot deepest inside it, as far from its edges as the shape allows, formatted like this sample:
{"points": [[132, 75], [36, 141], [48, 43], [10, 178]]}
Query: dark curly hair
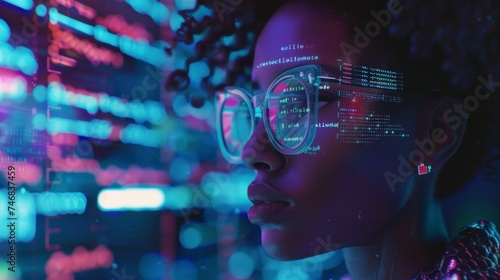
{"points": [[452, 41]]}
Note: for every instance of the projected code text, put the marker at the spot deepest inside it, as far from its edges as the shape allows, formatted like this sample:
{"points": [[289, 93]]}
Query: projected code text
{"points": [[354, 122]]}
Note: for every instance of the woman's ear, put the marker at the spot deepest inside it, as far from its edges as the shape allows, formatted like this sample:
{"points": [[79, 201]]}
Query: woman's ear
{"points": [[443, 130]]}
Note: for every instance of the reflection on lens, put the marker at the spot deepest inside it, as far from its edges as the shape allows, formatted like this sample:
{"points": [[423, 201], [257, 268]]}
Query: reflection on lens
{"points": [[289, 113], [236, 123]]}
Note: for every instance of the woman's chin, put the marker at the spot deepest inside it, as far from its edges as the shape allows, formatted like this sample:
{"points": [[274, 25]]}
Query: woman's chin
{"points": [[284, 245]]}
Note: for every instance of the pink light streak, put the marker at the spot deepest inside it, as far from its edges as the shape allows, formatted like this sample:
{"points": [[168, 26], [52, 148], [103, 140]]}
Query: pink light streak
{"points": [[119, 25], [105, 177], [26, 172], [9, 83], [61, 266]]}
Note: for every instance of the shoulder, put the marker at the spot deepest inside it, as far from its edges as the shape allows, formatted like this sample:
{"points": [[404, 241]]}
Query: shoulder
{"points": [[474, 254]]}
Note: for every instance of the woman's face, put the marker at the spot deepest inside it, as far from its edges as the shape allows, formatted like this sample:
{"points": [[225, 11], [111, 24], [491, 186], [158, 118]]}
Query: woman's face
{"points": [[338, 197]]}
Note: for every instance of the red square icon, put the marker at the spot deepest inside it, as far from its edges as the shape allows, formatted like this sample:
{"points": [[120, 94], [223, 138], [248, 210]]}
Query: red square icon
{"points": [[422, 169]]}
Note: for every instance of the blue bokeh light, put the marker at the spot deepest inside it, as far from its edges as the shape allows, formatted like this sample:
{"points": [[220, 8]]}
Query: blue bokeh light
{"points": [[40, 93], [185, 4], [190, 237], [241, 265], [41, 10], [4, 31], [39, 121], [175, 21], [23, 4]]}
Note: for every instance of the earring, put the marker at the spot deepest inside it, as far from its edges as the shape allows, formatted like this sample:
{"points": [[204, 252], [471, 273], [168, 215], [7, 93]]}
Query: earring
{"points": [[422, 169]]}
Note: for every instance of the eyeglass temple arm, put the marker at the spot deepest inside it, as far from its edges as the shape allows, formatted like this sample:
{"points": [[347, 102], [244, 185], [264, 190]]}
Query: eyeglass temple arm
{"points": [[330, 79]]}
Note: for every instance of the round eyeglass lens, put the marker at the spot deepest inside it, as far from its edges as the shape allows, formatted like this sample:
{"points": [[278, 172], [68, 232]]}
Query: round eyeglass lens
{"points": [[289, 113], [236, 123]]}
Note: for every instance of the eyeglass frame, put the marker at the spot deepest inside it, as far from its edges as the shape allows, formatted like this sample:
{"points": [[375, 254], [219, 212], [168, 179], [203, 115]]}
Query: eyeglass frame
{"points": [[257, 105]]}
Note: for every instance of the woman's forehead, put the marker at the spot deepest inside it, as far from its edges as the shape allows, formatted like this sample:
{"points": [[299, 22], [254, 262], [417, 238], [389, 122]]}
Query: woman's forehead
{"points": [[296, 36], [293, 37]]}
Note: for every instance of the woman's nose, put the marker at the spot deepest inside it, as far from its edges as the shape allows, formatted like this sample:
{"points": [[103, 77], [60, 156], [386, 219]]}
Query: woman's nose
{"points": [[260, 154]]}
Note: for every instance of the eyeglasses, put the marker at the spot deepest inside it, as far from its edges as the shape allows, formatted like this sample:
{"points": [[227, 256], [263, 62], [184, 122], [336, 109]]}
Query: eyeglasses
{"points": [[289, 108]]}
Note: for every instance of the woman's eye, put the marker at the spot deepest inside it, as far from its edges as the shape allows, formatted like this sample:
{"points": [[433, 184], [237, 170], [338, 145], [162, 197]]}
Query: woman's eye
{"points": [[325, 100], [323, 103]]}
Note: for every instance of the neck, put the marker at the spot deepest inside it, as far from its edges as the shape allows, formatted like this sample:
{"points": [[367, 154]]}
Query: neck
{"points": [[415, 240]]}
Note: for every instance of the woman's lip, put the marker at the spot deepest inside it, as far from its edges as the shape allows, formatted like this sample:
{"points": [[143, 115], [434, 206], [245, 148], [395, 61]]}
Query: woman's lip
{"points": [[259, 192], [272, 212], [270, 206]]}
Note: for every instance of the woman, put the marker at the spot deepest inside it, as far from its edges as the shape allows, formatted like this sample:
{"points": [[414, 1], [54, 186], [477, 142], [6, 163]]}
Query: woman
{"points": [[354, 145]]}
